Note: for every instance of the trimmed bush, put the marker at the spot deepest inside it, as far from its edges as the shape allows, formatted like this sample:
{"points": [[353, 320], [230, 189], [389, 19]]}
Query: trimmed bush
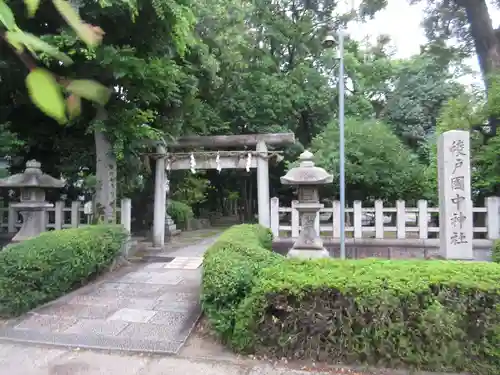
{"points": [[44, 268], [181, 213], [495, 252], [435, 315], [425, 314], [230, 267]]}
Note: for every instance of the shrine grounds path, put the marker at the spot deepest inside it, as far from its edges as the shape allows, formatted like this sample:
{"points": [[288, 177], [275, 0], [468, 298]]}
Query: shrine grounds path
{"points": [[144, 308], [135, 321]]}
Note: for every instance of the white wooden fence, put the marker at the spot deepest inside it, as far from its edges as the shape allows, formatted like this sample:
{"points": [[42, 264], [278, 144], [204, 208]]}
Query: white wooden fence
{"points": [[61, 216], [378, 221]]}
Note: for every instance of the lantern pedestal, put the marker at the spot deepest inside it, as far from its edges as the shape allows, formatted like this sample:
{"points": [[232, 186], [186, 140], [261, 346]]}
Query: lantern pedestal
{"points": [[309, 245], [34, 219], [32, 184]]}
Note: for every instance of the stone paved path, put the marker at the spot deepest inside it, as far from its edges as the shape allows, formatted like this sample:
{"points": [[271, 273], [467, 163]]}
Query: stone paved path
{"points": [[140, 308]]}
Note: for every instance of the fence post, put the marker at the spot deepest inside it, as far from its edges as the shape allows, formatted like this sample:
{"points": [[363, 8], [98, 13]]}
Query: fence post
{"points": [[358, 219], [75, 214], [126, 214], [379, 219], [58, 213], [295, 220], [275, 216], [400, 219], [423, 220], [336, 219], [492, 217], [12, 218]]}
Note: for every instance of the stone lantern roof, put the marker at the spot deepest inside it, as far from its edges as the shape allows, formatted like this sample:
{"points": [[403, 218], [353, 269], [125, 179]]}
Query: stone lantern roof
{"points": [[32, 177], [306, 173]]}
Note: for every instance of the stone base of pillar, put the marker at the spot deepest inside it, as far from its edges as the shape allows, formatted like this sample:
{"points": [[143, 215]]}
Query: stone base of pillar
{"points": [[308, 253], [171, 227], [309, 245], [34, 223]]}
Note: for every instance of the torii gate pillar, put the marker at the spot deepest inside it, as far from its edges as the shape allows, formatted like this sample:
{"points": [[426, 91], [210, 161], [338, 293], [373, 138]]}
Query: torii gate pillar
{"points": [[160, 201], [263, 199]]}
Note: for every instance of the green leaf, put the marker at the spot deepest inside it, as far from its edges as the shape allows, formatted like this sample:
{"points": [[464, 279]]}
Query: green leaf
{"points": [[7, 17], [90, 90], [34, 43], [85, 32], [46, 94], [32, 6]]}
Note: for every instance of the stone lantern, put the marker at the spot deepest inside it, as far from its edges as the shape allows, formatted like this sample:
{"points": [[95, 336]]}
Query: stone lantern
{"points": [[32, 206], [307, 177]]}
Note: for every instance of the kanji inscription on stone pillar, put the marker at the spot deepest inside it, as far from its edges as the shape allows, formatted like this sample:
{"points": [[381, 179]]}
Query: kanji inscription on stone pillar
{"points": [[455, 203]]}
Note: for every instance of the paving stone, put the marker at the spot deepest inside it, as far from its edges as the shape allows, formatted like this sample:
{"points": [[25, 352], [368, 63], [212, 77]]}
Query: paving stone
{"points": [[134, 277], [46, 323], [133, 315], [172, 365], [172, 273], [91, 300], [166, 305], [179, 297], [192, 266], [92, 363], [78, 311], [155, 266], [185, 263], [123, 290], [191, 277], [97, 327], [133, 303], [165, 279], [173, 320], [139, 303], [141, 331]]}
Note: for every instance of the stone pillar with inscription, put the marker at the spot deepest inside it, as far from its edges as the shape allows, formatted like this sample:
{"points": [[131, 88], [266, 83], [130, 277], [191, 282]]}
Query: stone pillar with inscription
{"points": [[307, 177], [455, 203]]}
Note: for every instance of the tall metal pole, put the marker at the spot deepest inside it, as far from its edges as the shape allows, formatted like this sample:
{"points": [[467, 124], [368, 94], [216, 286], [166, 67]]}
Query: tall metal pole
{"points": [[341, 144]]}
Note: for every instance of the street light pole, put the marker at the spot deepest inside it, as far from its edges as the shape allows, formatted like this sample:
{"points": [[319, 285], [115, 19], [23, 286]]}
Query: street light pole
{"points": [[329, 42], [341, 144]]}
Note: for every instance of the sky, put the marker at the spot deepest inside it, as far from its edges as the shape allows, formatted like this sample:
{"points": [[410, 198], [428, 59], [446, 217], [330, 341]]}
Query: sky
{"points": [[403, 23]]}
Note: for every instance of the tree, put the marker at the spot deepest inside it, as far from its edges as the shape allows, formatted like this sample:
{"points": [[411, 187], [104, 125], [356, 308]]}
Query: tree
{"points": [[144, 65], [469, 23], [463, 113], [421, 85], [378, 164]]}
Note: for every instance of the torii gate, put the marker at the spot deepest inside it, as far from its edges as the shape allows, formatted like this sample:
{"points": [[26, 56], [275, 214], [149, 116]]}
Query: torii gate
{"points": [[245, 159]]}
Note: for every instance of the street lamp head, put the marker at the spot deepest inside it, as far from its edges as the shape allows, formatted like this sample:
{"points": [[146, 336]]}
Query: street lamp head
{"points": [[329, 42]]}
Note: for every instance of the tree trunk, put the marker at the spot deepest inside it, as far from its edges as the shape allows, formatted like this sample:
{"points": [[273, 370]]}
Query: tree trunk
{"points": [[485, 39], [106, 179]]}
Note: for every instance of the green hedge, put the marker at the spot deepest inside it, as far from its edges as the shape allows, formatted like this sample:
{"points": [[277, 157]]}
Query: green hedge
{"points": [[436, 315], [428, 314], [229, 269], [46, 267], [495, 252], [180, 213]]}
